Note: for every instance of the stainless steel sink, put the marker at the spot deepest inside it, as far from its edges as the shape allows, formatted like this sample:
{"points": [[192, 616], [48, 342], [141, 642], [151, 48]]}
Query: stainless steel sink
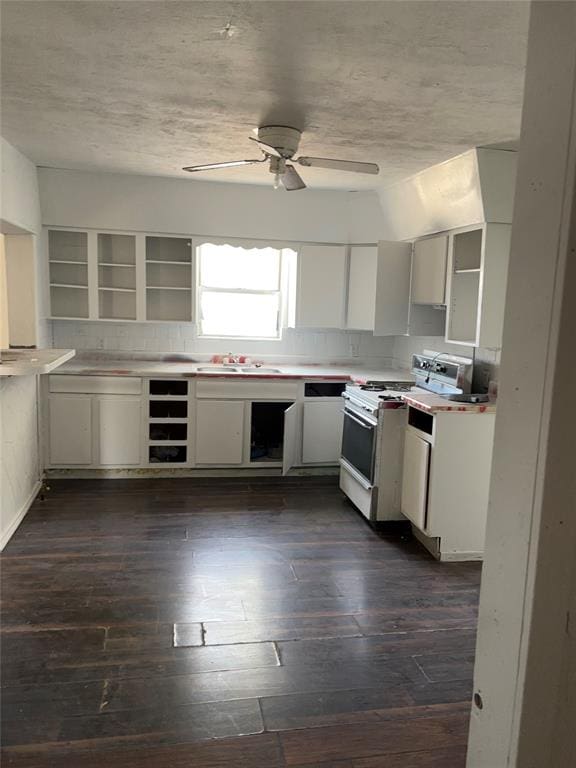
{"points": [[219, 369], [259, 369]]}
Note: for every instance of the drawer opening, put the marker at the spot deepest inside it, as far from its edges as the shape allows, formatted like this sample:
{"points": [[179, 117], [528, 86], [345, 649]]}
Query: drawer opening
{"points": [[324, 389], [166, 387], [420, 420]]}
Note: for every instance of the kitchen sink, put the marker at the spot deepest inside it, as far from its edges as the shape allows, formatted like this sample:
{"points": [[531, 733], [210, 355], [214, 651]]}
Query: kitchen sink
{"points": [[219, 369], [258, 369]]}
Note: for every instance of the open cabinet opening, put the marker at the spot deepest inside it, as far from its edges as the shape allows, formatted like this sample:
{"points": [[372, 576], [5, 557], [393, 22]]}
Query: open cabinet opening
{"points": [[267, 431]]}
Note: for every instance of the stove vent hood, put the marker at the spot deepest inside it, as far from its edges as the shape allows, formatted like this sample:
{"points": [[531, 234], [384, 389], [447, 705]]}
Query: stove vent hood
{"points": [[472, 188]]}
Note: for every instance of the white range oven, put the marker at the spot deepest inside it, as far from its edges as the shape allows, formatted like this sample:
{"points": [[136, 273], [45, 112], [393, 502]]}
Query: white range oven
{"points": [[372, 445]]}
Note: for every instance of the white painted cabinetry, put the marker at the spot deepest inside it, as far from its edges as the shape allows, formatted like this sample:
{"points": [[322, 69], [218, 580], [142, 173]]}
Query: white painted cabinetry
{"points": [[379, 293], [446, 480], [320, 286], [415, 479], [119, 428], [94, 421], [362, 281], [477, 276], [219, 432], [428, 284], [70, 429], [322, 432]]}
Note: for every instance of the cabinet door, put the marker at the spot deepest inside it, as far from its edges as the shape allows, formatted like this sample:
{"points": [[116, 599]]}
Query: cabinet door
{"points": [[393, 289], [361, 306], [415, 479], [429, 271], [291, 431], [219, 431], [119, 430], [321, 286], [322, 433], [70, 426]]}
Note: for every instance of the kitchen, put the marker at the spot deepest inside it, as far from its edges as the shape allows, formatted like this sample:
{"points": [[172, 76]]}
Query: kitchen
{"points": [[247, 436]]}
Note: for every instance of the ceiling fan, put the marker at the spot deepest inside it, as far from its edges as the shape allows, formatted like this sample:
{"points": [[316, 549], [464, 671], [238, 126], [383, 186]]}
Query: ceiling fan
{"points": [[279, 144]]}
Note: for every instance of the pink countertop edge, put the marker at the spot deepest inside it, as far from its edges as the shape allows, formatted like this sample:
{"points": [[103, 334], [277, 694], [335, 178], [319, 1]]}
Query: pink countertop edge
{"points": [[432, 403]]}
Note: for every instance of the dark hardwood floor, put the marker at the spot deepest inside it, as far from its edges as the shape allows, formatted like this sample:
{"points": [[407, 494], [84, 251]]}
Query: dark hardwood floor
{"points": [[229, 623]]}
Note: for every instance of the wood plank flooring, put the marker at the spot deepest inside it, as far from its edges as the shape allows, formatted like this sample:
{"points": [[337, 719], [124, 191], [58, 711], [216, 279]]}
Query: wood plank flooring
{"points": [[223, 623]]}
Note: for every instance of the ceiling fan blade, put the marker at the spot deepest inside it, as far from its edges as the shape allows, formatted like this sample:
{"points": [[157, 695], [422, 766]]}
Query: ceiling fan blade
{"points": [[338, 165], [266, 147], [215, 166], [292, 180]]}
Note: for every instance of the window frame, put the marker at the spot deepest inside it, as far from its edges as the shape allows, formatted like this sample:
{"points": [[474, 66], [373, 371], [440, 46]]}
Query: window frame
{"points": [[280, 291]]}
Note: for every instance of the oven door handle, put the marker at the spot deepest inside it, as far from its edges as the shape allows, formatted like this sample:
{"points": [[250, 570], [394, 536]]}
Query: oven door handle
{"points": [[357, 420]]}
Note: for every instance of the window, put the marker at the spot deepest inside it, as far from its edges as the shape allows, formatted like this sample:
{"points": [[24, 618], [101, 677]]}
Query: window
{"points": [[239, 291]]}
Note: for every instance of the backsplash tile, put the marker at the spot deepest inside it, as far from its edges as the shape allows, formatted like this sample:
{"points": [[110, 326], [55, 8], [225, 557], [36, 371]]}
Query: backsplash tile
{"points": [[182, 337]]}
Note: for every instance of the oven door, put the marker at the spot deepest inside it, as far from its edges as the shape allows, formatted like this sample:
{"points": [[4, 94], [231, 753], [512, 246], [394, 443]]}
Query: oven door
{"points": [[359, 443]]}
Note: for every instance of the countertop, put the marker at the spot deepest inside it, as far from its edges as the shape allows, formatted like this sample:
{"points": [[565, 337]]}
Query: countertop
{"points": [[135, 367], [432, 403], [29, 362]]}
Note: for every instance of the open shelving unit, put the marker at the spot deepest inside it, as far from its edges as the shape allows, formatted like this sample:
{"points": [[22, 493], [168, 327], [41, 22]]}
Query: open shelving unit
{"points": [[68, 264], [466, 266], [168, 419], [168, 278], [116, 277]]}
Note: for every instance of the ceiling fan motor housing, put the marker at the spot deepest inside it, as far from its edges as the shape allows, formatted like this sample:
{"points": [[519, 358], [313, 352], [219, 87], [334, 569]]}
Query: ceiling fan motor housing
{"points": [[285, 140]]}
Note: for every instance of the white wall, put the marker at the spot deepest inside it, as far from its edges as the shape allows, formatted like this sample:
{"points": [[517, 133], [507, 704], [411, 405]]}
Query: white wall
{"points": [[20, 201], [525, 675], [20, 468], [185, 206], [20, 215], [474, 187], [19, 453]]}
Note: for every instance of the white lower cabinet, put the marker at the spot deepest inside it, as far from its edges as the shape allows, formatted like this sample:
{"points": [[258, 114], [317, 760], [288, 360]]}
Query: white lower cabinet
{"points": [[91, 430], [322, 432], [446, 480], [415, 479], [70, 429], [119, 428], [219, 431]]}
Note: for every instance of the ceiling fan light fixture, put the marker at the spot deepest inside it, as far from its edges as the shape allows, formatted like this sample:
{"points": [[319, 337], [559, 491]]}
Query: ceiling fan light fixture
{"points": [[279, 144]]}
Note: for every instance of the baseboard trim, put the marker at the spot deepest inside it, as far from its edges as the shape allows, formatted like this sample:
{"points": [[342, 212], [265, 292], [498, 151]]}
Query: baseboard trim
{"points": [[11, 530], [152, 472]]}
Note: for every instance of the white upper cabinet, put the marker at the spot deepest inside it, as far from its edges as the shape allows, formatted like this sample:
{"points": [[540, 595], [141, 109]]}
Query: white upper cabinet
{"points": [[379, 293], [362, 276], [379, 288], [392, 307], [320, 286], [477, 276], [429, 270]]}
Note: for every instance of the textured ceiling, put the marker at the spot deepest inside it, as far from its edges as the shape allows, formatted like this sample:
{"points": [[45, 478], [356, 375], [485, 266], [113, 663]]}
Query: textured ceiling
{"points": [[146, 87]]}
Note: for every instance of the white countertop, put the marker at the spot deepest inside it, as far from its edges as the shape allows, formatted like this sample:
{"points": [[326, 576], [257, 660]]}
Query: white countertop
{"points": [[29, 362], [134, 367]]}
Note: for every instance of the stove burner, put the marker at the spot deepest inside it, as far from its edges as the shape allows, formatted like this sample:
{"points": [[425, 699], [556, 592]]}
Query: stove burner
{"points": [[382, 386]]}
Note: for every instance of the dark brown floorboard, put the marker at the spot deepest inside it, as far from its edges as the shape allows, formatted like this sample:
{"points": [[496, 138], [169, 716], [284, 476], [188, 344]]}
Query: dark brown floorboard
{"points": [[228, 623]]}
